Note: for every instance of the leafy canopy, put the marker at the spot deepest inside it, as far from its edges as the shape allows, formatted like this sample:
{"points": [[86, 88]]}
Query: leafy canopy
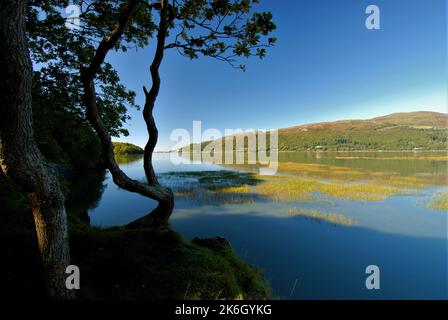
{"points": [[221, 29]]}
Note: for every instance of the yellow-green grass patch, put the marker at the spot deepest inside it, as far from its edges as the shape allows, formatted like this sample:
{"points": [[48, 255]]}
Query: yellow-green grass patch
{"points": [[439, 201], [288, 188], [329, 217]]}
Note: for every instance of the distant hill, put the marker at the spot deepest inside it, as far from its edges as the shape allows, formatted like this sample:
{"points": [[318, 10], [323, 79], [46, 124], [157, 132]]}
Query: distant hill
{"points": [[398, 131], [122, 148], [420, 118]]}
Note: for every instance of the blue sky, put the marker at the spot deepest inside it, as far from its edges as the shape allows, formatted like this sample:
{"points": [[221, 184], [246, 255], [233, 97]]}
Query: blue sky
{"points": [[326, 66]]}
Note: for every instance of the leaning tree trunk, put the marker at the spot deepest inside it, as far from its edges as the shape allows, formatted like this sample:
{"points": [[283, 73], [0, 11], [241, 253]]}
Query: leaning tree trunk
{"points": [[152, 189], [165, 207], [20, 159]]}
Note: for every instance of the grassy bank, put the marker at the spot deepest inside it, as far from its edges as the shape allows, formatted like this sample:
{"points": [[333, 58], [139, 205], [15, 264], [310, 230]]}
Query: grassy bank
{"points": [[118, 263], [160, 264]]}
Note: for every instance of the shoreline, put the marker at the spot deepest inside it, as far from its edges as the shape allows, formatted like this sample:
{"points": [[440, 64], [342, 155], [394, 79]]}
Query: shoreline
{"points": [[323, 151]]}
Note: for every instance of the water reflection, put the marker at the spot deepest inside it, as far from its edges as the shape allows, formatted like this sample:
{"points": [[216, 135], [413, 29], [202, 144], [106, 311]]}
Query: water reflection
{"points": [[385, 196], [86, 191], [328, 262]]}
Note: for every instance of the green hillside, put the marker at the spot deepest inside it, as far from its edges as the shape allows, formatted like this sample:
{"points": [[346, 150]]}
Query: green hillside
{"points": [[398, 131], [122, 148]]}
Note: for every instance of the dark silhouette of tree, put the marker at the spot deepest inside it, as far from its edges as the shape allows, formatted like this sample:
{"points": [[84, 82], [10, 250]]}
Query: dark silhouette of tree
{"points": [[59, 53], [72, 74], [219, 29], [20, 159]]}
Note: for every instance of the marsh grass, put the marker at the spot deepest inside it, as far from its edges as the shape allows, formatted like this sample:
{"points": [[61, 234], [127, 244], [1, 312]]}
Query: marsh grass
{"points": [[364, 192], [213, 187], [218, 178], [198, 195], [402, 181], [341, 174], [314, 214], [439, 201], [297, 182], [294, 189], [413, 158], [234, 189], [319, 171]]}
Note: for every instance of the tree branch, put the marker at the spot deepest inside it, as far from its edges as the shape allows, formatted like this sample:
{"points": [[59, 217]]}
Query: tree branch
{"points": [[152, 190], [152, 95]]}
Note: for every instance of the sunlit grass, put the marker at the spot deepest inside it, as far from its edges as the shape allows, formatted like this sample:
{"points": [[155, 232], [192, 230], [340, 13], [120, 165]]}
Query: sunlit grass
{"points": [[366, 192], [320, 170], [402, 181], [200, 195], [413, 158], [439, 201], [320, 215], [285, 189], [342, 174], [293, 189], [299, 182], [233, 189]]}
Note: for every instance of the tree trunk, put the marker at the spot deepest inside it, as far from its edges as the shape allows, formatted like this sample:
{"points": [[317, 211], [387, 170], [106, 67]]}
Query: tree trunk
{"points": [[166, 205], [20, 159], [153, 190]]}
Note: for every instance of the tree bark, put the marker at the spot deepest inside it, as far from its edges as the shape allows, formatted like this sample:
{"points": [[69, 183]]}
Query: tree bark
{"points": [[152, 189], [150, 97], [165, 207], [20, 158]]}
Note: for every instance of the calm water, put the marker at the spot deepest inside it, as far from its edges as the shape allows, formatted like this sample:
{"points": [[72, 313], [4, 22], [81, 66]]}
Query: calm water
{"points": [[306, 258]]}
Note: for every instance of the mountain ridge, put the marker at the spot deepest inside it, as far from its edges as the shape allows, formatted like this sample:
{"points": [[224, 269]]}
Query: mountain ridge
{"points": [[420, 130], [441, 119]]}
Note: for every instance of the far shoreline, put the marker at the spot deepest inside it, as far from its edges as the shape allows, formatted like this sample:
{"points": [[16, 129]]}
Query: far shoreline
{"points": [[321, 151]]}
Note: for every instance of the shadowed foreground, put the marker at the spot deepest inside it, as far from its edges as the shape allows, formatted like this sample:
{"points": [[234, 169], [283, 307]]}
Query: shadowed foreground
{"points": [[118, 263]]}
